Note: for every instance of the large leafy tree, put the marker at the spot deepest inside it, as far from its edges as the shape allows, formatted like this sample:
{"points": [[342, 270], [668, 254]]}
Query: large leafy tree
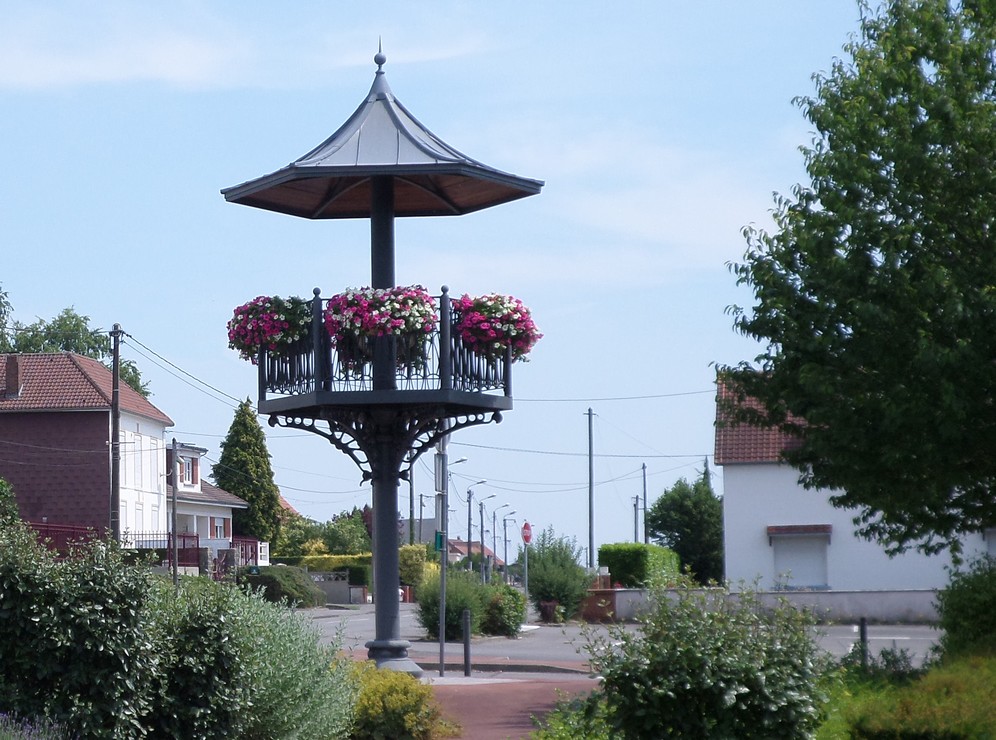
{"points": [[243, 468], [67, 332], [688, 519], [346, 534], [876, 292]]}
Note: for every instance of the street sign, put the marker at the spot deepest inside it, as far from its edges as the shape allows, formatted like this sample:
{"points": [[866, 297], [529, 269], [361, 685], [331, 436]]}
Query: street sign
{"points": [[527, 533]]}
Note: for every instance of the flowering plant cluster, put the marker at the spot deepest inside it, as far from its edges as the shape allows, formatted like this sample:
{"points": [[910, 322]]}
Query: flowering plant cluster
{"points": [[489, 324], [378, 312], [268, 321]]}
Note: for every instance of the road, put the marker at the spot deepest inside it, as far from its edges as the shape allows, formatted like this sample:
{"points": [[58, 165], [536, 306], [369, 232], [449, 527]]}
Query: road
{"points": [[556, 647]]}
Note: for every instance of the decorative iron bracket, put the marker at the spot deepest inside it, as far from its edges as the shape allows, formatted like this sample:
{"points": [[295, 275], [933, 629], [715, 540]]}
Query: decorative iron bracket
{"points": [[393, 436]]}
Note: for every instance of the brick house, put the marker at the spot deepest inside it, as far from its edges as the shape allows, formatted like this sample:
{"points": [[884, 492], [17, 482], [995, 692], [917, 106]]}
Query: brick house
{"points": [[55, 450], [55, 444]]}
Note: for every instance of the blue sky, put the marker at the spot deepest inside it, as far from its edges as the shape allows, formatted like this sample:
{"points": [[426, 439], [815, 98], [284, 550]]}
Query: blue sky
{"points": [[660, 128]]}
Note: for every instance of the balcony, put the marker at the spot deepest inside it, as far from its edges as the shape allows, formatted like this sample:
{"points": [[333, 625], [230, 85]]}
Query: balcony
{"points": [[432, 369]]}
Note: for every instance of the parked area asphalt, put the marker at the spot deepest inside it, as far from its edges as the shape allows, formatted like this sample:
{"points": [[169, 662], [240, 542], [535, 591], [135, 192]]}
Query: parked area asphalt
{"points": [[512, 680]]}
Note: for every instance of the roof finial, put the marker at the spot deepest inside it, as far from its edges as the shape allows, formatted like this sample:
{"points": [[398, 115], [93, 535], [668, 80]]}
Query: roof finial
{"points": [[380, 57]]}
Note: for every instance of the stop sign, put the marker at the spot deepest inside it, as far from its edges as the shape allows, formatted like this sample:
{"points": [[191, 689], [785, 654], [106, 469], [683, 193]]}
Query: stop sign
{"points": [[527, 533]]}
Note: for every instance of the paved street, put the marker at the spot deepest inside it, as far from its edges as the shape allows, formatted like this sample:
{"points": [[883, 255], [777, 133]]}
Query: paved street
{"points": [[556, 646]]}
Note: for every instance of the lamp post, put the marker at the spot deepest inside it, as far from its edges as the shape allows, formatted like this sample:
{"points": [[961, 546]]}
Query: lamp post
{"points": [[482, 534], [470, 520], [504, 523], [494, 531], [443, 483]]}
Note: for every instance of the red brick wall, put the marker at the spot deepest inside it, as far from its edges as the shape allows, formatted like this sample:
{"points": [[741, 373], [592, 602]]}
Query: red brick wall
{"points": [[59, 465]]}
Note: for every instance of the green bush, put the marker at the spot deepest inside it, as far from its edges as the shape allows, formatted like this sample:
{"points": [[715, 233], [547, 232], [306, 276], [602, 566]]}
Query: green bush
{"points": [[74, 643], [392, 704], [359, 575], [411, 564], [954, 700], [325, 563], [704, 665], [504, 610], [283, 584], [555, 573], [634, 564], [576, 718], [236, 665], [463, 591], [967, 609]]}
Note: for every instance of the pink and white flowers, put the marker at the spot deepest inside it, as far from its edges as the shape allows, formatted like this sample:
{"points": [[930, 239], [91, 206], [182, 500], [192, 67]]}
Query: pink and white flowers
{"points": [[268, 321], [490, 323], [378, 312]]}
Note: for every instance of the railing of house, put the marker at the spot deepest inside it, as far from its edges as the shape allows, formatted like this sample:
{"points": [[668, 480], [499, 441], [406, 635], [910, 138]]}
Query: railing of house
{"points": [[61, 537], [187, 546], [439, 360], [247, 549]]}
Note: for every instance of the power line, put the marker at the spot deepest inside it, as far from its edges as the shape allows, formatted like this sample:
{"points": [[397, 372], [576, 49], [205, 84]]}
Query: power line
{"points": [[613, 398], [570, 454]]}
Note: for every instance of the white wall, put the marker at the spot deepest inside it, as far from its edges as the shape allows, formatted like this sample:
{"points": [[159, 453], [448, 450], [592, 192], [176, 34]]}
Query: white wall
{"points": [[143, 482], [758, 496]]}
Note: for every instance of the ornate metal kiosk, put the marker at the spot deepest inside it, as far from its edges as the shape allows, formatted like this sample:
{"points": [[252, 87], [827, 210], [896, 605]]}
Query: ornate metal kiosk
{"points": [[403, 396]]}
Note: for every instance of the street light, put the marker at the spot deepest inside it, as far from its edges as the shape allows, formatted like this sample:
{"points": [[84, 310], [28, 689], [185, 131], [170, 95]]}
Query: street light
{"points": [[482, 533], [470, 515], [504, 523], [494, 531]]}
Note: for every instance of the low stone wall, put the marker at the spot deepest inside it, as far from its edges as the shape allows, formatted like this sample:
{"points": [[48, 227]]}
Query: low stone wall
{"points": [[891, 607]]}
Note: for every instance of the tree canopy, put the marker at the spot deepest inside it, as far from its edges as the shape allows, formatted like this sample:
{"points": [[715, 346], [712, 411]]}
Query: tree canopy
{"points": [[876, 291], [243, 468], [67, 332], [688, 519]]}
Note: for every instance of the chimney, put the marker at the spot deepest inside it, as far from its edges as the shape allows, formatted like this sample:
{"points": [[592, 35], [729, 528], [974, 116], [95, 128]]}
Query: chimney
{"points": [[15, 378]]}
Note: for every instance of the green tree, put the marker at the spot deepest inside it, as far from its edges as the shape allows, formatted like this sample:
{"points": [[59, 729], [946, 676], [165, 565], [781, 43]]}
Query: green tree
{"points": [[9, 513], [244, 469], [5, 329], [555, 572], [67, 332], [295, 531], [346, 534], [876, 292], [688, 519]]}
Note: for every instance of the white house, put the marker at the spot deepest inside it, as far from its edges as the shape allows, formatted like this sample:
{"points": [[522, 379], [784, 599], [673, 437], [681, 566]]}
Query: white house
{"points": [[792, 539]]}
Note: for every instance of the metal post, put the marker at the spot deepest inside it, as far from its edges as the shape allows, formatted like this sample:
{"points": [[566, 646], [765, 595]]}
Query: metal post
{"points": [[484, 574], [636, 519], [176, 484], [411, 505], [466, 642]]}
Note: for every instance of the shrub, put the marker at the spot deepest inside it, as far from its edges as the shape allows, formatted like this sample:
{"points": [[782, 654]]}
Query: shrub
{"points": [[463, 591], [634, 564], [392, 704], [14, 728], [576, 718], [967, 609], [74, 645], [706, 665], [555, 573], [411, 564], [504, 610], [954, 700], [236, 665], [282, 583]]}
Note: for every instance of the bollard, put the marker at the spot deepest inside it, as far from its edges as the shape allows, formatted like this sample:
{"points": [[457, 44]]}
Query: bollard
{"points": [[863, 635], [466, 642]]}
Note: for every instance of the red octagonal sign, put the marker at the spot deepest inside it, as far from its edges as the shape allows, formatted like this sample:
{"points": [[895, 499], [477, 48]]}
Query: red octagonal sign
{"points": [[527, 533]]}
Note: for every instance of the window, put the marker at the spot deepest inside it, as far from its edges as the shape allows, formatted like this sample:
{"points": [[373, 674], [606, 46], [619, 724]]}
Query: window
{"points": [[800, 555], [219, 528], [187, 473]]}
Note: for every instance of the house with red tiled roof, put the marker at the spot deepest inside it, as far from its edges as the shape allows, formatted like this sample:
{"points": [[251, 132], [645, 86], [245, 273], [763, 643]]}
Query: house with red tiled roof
{"points": [[56, 452], [792, 538], [55, 443]]}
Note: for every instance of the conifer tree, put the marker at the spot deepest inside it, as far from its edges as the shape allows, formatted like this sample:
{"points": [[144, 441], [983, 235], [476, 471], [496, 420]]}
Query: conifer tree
{"points": [[244, 469]]}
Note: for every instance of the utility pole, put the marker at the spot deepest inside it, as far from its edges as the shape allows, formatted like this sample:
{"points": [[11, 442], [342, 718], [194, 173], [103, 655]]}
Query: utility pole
{"points": [[591, 493], [646, 536], [411, 505], [172, 515], [115, 505], [636, 519]]}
